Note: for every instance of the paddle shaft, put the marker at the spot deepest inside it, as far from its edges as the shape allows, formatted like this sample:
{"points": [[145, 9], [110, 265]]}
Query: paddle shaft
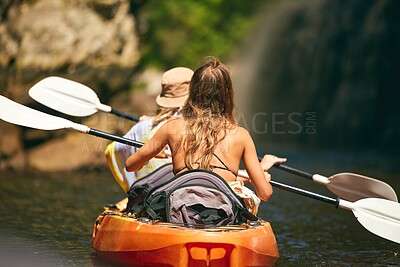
{"points": [[306, 193], [291, 170], [294, 171], [115, 138], [125, 115]]}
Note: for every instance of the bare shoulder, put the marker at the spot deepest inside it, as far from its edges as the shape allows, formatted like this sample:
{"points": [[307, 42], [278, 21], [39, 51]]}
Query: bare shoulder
{"points": [[242, 133], [173, 126], [238, 136]]}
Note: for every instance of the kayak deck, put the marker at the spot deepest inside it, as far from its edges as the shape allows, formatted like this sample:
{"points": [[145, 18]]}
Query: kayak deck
{"points": [[135, 242]]}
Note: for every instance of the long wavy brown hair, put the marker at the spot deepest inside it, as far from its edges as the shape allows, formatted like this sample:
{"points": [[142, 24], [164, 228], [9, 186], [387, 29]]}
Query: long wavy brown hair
{"points": [[208, 113]]}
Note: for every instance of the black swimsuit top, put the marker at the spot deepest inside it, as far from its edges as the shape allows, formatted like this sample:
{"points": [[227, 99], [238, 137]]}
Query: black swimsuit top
{"points": [[212, 167]]}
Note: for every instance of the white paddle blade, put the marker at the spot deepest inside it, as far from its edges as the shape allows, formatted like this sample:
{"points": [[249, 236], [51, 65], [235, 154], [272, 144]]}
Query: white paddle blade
{"points": [[354, 187], [379, 216], [15, 113], [67, 96]]}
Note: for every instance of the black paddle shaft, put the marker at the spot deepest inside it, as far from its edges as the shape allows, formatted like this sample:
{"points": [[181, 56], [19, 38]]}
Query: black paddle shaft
{"points": [[125, 115], [306, 193], [115, 138], [294, 171]]}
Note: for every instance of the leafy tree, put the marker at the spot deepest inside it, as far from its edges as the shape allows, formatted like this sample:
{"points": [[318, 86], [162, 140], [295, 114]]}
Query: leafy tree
{"points": [[176, 32]]}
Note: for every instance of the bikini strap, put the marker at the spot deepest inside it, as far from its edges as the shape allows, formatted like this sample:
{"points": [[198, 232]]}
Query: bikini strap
{"points": [[179, 170], [213, 166], [226, 167]]}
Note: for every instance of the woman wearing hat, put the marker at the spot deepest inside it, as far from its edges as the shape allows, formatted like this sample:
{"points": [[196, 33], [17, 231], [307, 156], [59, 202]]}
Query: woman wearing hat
{"points": [[174, 92], [207, 135]]}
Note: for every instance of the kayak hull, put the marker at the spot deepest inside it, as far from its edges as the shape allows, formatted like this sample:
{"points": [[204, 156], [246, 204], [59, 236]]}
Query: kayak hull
{"points": [[130, 242]]}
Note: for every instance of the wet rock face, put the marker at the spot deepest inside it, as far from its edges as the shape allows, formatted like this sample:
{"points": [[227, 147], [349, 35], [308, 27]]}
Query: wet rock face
{"points": [[330, 76], [73, 38], [93, 42]]}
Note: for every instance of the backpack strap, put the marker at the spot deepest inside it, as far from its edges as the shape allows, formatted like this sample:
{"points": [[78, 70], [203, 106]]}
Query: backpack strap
{"points": [[158, 203], [139, 189], [245, 214], [208, 216]]}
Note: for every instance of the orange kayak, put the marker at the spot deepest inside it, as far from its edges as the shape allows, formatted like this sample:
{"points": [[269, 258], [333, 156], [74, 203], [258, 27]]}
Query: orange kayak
{"points": [[139, 242]]}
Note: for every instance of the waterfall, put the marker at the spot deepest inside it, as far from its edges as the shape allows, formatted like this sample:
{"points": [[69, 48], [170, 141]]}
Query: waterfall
{"points": [[322, 74]]}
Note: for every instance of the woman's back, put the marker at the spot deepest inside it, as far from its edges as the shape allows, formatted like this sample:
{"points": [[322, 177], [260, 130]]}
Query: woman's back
{"points": [[227, 153]]}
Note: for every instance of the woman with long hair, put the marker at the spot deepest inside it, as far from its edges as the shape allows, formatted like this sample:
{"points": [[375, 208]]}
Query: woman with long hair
{"points": [[207, 135], [173, 95]]}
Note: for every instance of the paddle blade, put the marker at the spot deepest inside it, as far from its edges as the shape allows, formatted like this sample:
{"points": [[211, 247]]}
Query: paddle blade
{"points": [[66, 96], [15, 113], [354, 187], [379, 216]]}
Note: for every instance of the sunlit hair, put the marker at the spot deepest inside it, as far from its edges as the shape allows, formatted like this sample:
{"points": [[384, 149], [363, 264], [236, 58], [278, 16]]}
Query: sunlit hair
{"points": [[208, 113], [162, 115]]}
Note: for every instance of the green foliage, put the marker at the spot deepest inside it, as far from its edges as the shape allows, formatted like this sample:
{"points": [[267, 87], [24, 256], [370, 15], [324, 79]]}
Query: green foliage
{"points": [[184, 32]]}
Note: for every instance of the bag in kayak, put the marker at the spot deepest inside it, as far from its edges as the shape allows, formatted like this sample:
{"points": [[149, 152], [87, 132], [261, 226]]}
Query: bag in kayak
{"points": [[196, 197], [139, 189]]}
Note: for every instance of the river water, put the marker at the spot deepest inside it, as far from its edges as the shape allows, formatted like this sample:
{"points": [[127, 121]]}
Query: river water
{"points": [[47, 220]]}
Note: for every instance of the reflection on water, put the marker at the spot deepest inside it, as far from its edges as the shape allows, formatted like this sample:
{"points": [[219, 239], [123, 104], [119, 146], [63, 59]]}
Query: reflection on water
{"points": [[49, 220]]}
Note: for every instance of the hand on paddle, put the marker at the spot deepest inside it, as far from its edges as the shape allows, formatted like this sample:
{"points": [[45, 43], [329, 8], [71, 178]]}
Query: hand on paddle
{"points": [[267, 162], [270, 160]]}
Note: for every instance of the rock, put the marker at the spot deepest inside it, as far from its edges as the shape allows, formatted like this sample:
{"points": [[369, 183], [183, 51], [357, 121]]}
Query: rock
{"points": [[55, 34], [11, 149], [75, 39], [91, 42], [72, 152]]}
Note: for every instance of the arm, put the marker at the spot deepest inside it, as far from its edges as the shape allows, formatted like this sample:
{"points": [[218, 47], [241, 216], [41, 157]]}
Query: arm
{"points": [[266, 163], [259, 180], [149, 150]]}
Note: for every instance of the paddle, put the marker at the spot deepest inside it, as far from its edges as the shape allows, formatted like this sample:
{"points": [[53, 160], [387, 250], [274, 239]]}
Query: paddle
{"points": [[76, 99], [15, 113], [349, 186], [379, 216], [71, 98]]}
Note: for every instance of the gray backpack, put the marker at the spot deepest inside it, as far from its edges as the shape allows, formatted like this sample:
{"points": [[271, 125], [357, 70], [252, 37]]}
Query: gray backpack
{"points": [[193, 198]]}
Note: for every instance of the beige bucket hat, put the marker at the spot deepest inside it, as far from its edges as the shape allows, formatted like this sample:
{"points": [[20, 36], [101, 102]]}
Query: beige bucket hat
{"points": [[174, 87]]}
